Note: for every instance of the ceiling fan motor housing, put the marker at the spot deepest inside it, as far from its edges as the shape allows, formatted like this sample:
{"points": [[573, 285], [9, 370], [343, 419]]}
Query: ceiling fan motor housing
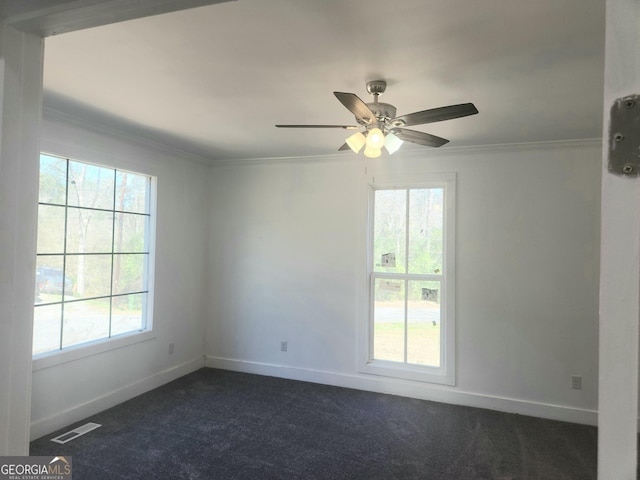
{"points": [[383, 111]]}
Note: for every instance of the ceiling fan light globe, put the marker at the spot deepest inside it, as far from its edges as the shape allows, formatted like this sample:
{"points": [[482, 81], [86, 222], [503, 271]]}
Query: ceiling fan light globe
{"points": [[392, 143], [375, 138], [372, 152], [356, 141]]}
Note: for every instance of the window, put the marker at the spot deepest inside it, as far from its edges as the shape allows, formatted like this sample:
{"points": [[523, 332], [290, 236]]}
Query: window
{"points": [[94, 259], [411, 323]]}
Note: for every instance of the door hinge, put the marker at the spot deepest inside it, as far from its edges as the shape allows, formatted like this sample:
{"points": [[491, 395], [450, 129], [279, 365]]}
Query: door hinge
{"points": [[624, 137]]}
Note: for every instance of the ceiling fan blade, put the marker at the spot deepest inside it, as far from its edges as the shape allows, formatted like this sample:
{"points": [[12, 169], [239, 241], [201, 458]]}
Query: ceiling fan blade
{"points": [[356, 106], [435, 115], [346, 127], [344, 146], [420, 138]]}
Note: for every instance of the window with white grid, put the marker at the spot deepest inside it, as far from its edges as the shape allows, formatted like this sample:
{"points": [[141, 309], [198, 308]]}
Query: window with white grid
{"points": [[411, 266], [94, 255]]}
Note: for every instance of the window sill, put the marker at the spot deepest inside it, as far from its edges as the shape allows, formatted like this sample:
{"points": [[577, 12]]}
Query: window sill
{"points": [[409, 372], [89, 349]]}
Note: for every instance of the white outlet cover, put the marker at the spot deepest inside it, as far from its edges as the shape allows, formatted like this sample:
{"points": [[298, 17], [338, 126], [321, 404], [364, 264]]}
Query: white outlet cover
{"points": [[576, 382]]}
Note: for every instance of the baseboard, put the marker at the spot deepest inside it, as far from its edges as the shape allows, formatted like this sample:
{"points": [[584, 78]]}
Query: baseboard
{"points": [[52, 423], [410, 389]]}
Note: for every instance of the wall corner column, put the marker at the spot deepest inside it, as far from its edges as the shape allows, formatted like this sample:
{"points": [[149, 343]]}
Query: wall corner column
{"points": [[619, 262], [21, 65]]}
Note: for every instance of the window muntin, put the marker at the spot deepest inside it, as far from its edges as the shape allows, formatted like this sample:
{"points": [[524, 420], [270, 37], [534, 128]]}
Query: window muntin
{"points": [[411, 324], [93, 255]]}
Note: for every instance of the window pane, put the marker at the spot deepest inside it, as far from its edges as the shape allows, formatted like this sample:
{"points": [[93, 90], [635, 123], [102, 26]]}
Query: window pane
{"points": [[389, 244], [53, 180], [128, 273], [50, 229], [131, 231], [388, 320], [85, 321], [49, 274], [127, 313], [90, 186], [92, 275], [89, 231], [423, 323], [47, 321], [132, 192], [426, 222], [93, 228]]}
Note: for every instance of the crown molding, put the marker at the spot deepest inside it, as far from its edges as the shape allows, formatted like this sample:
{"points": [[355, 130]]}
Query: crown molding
{"points": [[586, 143], [139, 138], [518, 147], [58, 116], [338, 157]]}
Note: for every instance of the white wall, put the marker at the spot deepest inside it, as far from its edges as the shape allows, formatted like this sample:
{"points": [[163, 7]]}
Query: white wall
{"points": [[272, 251], [287, 263], [68, 392], [283, 247]]}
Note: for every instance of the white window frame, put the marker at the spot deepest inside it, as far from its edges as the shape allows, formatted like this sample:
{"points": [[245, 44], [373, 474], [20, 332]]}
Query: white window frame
{"points": [[95, 347], [445, 373]]}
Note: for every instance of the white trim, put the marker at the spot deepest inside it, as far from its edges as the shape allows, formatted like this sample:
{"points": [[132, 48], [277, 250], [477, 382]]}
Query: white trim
{"points": [[136, 138], [76, 413], [20, 112], [512, 147], [410, 389], [245, 162], [445, 374], [619, 301], [155, 141], [423, 152], [89, 349], [104, 344]]}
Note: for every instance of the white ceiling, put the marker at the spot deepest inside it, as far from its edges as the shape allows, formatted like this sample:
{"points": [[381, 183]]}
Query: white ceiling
{"points": [[214, 80]]}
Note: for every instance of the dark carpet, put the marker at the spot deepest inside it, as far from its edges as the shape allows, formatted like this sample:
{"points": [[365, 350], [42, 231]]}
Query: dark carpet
{"points": [[216, 424]]}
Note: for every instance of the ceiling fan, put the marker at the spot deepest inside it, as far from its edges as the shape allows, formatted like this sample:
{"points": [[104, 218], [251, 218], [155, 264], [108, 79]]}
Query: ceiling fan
{"points": [[380, 126]]}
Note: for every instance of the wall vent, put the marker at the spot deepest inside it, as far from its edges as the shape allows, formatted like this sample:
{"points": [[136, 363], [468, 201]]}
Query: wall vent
{"points": [[75, 433]]}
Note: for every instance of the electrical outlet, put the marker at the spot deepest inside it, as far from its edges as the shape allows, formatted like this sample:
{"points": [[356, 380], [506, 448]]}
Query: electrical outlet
{"points": [[283, 346], [171, 348], [576, 382]]}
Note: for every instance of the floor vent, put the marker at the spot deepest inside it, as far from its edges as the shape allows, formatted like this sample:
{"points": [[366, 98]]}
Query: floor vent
{"points": [[75, 433]]}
